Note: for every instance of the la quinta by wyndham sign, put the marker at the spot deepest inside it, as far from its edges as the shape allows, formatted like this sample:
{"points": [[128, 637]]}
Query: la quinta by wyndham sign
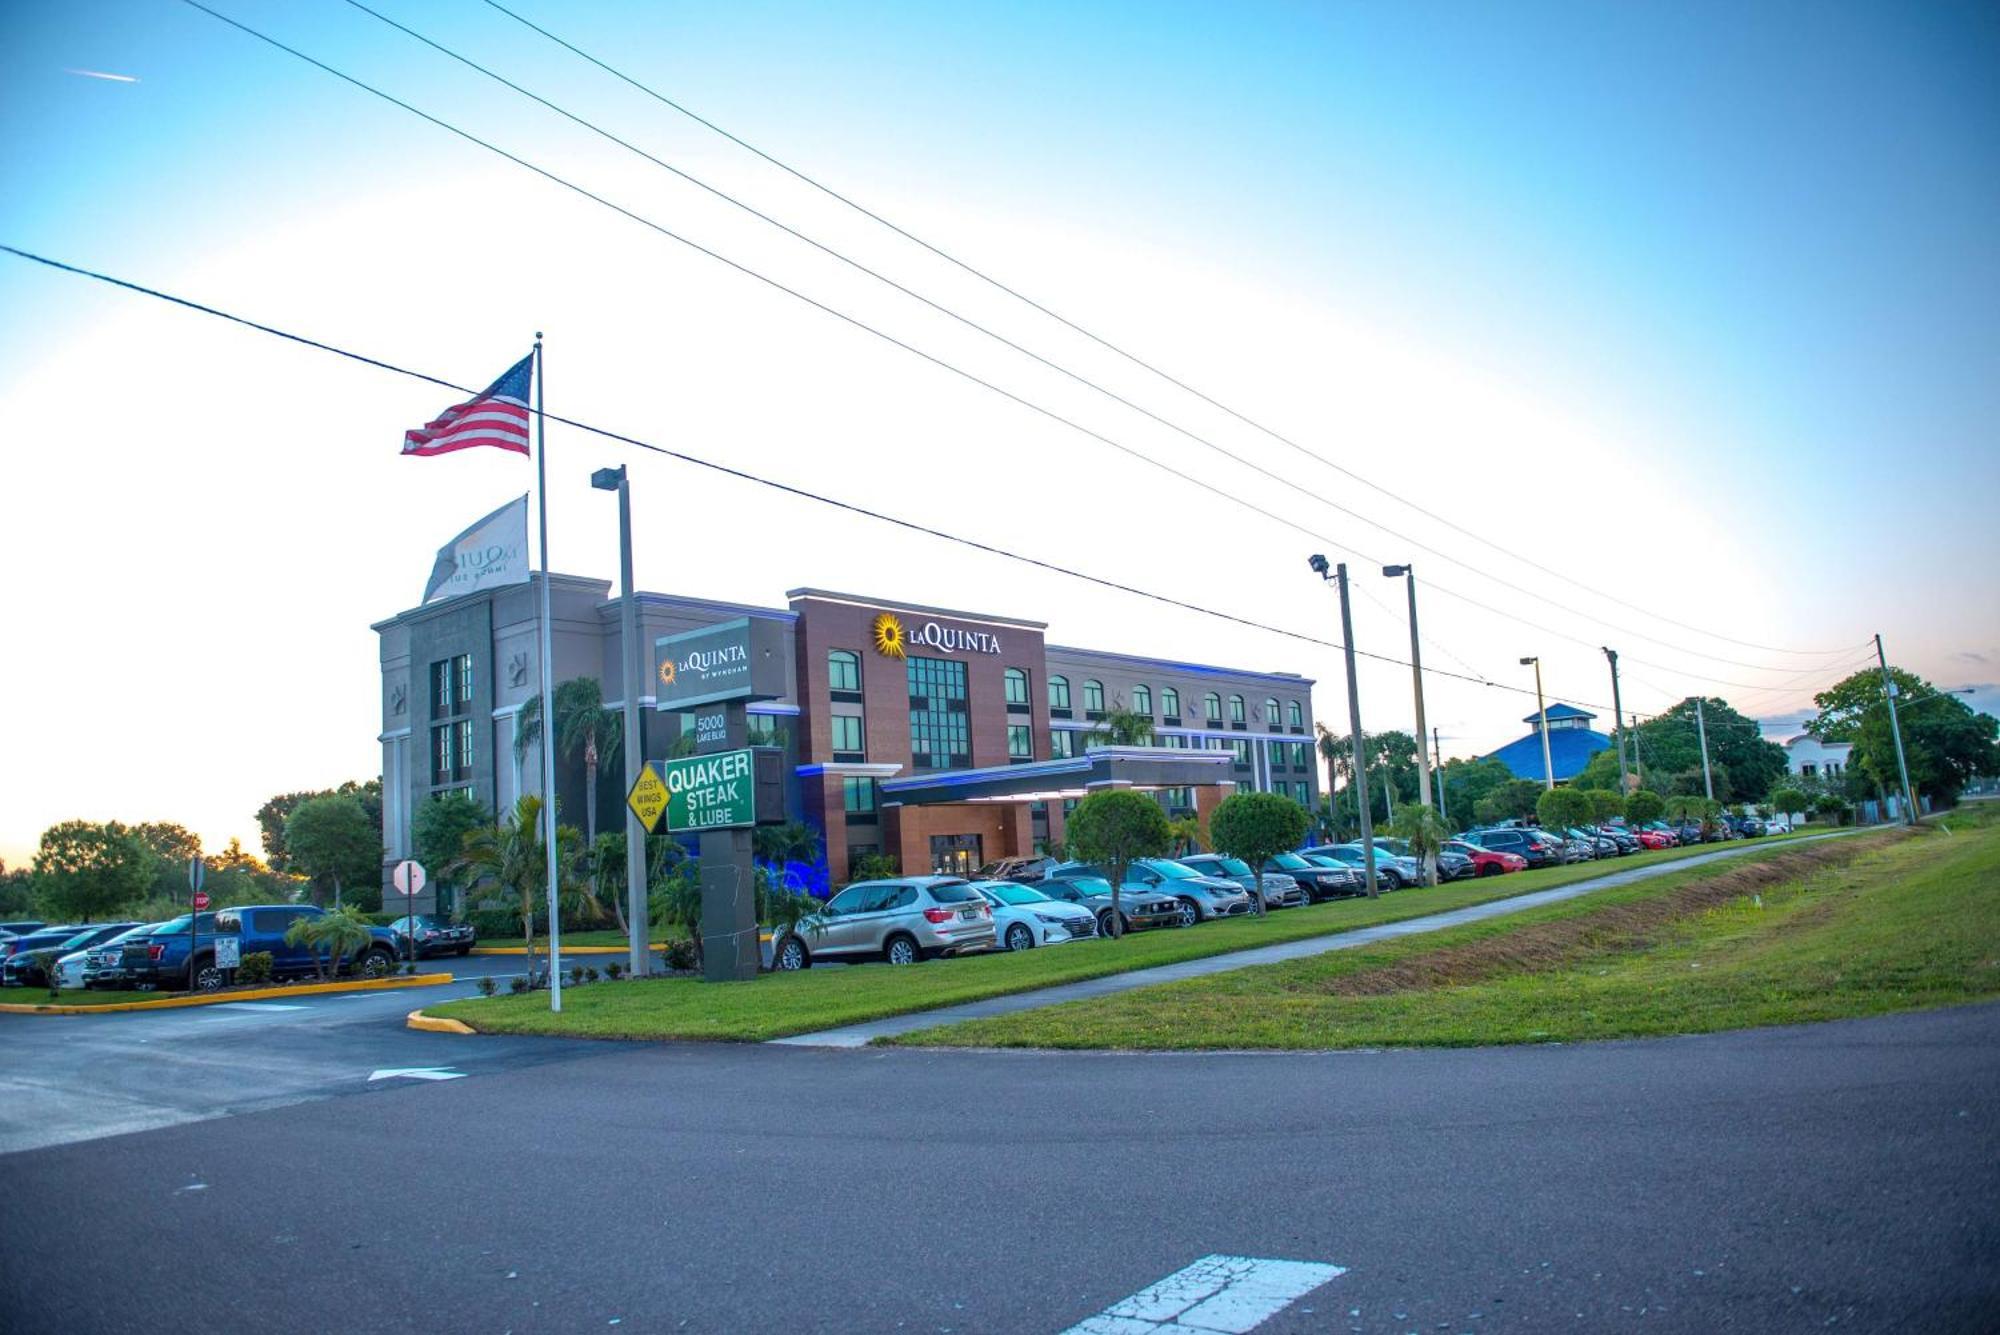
{"points": [[742, 659], [893, 639]]}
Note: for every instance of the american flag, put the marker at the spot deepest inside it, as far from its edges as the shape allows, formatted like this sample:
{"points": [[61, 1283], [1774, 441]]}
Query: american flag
{"points": [[498, 416]]}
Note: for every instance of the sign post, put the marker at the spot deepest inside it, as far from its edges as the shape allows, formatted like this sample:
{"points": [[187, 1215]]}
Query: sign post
{"points": [[197, 901], [409, 879]]}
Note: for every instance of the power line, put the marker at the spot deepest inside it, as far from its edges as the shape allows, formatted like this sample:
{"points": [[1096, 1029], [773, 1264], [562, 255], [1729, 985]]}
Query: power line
{"points": [[744, 475], [1085, 381], [1136, 360]]}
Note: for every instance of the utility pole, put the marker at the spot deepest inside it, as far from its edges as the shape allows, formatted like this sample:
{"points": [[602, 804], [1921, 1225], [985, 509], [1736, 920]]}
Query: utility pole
{"points": [[1437, 749], [1617, 718], [1417, 681], [1701, 730], [1638, 760], [1896, 730], [1359, 783], [1542, 707]]}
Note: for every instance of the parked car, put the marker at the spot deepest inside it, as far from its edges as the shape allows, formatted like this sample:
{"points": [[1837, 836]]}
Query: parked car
{"points": [[173, 956], [45, 938], [1206, 898], [1627, 841], [900, 921], [1320, 876], [20, 928], [1138, 906], [1486, 861], [24, 966], [1024, 917], [1652, 839], [1391, 872], [104, 964], [1744, 827], [434, 936], [1023, 870], [1778, 825], [1601, 845], [1277, 889], [1528, 845]]}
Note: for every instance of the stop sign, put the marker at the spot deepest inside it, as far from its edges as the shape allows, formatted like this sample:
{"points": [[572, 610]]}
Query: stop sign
{"points": [[201, 899]]}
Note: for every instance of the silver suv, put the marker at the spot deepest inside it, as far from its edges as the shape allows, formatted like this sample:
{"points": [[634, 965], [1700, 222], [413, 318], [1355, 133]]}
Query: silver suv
{"points": [[901, 921]]}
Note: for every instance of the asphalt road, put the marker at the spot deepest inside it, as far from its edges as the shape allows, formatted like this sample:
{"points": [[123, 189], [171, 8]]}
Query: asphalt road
{"points": [[1840, 1176]]}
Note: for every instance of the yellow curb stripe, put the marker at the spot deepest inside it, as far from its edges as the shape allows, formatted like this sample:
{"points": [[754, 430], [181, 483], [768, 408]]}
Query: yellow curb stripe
{"points": [[255, 994], [437, 1024]]}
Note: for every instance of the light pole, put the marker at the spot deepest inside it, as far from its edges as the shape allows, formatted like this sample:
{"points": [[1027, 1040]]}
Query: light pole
{"points": [[1359, 783], [1896, 730], [636, 924], [1701, 731], [1417, 681], [1617, 719], [1542, 708]]}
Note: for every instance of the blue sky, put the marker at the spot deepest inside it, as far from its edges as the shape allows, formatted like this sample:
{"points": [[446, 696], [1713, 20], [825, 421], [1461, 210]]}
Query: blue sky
{"points": [[1694, 302]]}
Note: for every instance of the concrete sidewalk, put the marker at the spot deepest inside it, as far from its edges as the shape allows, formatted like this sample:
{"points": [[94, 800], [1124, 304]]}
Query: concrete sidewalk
{"points": [[859, 1035]]}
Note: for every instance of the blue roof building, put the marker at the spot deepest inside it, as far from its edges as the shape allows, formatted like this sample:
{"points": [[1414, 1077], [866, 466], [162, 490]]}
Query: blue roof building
{"points": [[1571, 745]]}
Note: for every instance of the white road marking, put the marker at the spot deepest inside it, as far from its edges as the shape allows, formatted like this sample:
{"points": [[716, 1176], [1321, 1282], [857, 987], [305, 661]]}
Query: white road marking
{"points": [[258, 1006], [418, 1073], [1217, 1293]]}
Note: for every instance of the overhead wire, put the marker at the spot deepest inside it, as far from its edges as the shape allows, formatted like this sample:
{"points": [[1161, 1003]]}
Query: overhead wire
{"points": [[940, 362], [1128, 356]]}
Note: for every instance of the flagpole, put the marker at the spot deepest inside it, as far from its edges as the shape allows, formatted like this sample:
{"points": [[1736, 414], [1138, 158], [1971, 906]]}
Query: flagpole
{"points": [[548, 689]]}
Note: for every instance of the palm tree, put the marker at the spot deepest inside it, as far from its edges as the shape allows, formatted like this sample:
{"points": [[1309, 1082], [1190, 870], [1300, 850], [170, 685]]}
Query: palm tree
{"points": [[794, 841], [1188, 835], [606, 882], [582, 724], [1120, 727], [338, 933], [508, 862]]}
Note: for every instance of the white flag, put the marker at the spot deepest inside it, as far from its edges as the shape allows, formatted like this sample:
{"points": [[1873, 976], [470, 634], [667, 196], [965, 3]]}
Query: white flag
{"points": [[492, 552]]}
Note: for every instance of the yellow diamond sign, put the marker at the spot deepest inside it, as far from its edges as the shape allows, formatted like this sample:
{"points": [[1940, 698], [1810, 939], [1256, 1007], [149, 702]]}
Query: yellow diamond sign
{"points": [[648, 798]]}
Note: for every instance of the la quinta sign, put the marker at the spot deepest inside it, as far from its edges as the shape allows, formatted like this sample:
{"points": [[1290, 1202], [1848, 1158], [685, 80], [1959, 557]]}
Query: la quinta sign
{"points": [[895, 640]]}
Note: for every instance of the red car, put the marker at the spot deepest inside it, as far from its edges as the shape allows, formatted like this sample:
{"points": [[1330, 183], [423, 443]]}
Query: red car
{"points": [[1486, 861], [1655, 839]]}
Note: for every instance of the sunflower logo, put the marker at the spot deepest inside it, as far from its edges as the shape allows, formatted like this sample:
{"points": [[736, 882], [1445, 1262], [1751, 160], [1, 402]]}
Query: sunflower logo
{"points": [[890, 642], [667, 672]]}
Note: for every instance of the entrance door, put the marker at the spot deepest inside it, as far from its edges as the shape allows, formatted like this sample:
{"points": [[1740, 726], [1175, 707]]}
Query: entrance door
{"points": [[955, 854]]}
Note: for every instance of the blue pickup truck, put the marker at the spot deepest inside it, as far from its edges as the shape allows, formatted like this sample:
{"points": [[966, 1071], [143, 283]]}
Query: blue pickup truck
{"points": [[172, 957]]}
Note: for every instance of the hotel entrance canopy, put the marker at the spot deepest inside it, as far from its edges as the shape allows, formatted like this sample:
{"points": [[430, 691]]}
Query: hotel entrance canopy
{"points": [[1143, 768]]}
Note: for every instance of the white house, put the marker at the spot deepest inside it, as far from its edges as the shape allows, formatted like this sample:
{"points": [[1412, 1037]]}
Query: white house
{"points": [[1808, 757]]}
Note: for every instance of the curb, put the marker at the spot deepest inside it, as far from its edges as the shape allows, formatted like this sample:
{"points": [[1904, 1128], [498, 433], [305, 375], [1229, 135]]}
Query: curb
{"points": [[256, 994], [567, 950], [436, 1024]]}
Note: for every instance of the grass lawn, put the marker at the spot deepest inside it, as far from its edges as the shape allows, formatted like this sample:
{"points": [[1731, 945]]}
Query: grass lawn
{"points": [[1884, 922], [75, 996], [776, 1005]]}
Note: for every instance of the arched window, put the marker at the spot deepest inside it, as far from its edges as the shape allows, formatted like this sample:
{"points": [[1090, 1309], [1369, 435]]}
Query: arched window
{"points": [[1236, 709], [1295, 715], [1142, 700], [1211, 707], [1058, 692], [1017, 687], [1170, 703], [1271, 711], [843, 670], [1093, 696]]}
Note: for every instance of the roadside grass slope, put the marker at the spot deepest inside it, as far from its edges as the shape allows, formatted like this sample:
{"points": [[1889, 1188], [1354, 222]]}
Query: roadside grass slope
{"points": [[1882, 922]]}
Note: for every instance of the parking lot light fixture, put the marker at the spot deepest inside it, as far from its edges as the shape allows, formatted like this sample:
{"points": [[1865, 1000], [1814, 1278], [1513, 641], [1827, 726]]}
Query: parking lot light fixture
{"points": [[639, 949], [1542, 708], [1409, 576], [1358, 784]]}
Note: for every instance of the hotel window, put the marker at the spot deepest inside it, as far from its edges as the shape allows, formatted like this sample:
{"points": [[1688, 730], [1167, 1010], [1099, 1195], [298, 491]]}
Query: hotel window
{"points": [[1017, 689], [940, 723], [1142, 700], [1020, 742], [1295, 716], [1236, 709], [1170, 705], [1271, 713], [1240, 748], [451, 752], [1059, 695], [1211, 707], [451, 686], [858, 796], [843, 670], [1062, 744], [1093, 699], [846, 736]]}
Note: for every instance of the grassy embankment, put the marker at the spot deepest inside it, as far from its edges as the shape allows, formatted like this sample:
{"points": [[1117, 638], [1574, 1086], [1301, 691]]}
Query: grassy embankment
{"points": [[1883, 922], [780, 1004]]}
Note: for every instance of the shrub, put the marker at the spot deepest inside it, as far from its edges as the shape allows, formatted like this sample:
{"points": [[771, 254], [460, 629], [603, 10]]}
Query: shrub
{"points": [[1644, 807], [614, 971], [681, 955], [590, 974], [1560, 808], [576, 975], [254, 967], [487, 987], [517, 984], [45, 960], [410, 967]]}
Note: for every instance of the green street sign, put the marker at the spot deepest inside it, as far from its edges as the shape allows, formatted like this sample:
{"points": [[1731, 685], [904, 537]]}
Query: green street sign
{"points": [[712, 792]]}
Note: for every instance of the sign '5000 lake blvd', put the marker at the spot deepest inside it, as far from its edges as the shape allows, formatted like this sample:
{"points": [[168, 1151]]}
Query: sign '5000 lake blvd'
{"points": [[716, 792]]}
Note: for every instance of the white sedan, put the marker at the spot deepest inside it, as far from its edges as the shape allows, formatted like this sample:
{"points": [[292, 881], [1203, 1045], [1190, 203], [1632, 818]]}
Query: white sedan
{"points": [[1024, 917]]}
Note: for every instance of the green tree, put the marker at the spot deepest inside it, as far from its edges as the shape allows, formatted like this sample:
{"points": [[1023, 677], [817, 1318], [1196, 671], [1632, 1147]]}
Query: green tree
{"points": [[1745, 764], [1789, 801], [1113, 827], [330, 839], [332, 936], [1644, 807], [1945, 743], [1256, 827], [1604, 805], [1560, 808], [1468, 782], [583, 727], [1831, 806], [1426, 832], [86, 870], [17, 891], [1600, 772], [437, 836], [508, 863], [793, 841], [1120, 726], [1188, 835], [1516, 799], [271, 817]]}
